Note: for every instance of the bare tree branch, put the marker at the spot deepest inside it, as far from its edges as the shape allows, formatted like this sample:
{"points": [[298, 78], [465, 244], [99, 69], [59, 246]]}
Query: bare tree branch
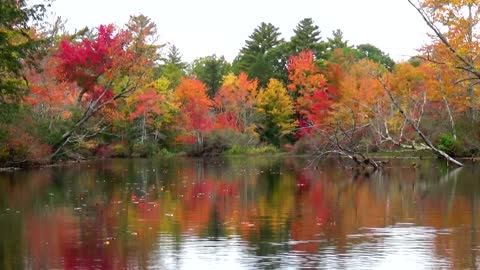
{"points": [[467, 65], [414, 126], [447, 106]]}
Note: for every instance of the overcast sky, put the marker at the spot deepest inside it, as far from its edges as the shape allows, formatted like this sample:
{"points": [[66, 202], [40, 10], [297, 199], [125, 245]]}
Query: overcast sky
{"points": [[204, 27]]}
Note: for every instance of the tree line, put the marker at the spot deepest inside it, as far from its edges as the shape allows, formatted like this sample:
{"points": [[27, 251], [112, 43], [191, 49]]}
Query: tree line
{"points": [[117, 91]]}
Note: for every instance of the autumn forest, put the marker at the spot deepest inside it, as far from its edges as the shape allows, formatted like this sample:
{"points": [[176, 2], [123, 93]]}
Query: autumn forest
{"points": [[119, 91]]}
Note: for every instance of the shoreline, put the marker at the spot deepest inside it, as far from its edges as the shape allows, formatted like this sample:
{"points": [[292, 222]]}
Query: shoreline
{"points": [[386, 155]]}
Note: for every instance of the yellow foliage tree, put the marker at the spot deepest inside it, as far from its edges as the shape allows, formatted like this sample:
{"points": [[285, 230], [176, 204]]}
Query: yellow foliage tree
{"points": [[276, 111]]}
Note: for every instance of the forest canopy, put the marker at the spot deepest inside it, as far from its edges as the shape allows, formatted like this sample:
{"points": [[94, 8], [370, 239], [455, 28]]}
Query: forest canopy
{"points": [[120, 91]]}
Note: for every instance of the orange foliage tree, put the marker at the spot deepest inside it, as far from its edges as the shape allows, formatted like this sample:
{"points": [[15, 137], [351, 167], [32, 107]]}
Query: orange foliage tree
{"points": [[236, 102], [313, 95], [455, 41], [195, 107]]}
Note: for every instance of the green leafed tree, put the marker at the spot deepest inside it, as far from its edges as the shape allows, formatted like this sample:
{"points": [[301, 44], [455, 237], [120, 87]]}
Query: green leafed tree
{"points": [[257, 57], [17, 47], [173, 68], [307, 37], [337, 42], [211, 70], [376, 55], [174, 57]]}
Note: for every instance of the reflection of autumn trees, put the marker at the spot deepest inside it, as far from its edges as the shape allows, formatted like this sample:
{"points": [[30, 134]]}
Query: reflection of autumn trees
{"points": [[18, 193], [47, 237], [114, 213], [59, 240], [310, 216]]}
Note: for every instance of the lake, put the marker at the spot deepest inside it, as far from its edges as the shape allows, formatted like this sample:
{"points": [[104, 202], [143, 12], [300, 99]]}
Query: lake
{"points": [[240, 213]]}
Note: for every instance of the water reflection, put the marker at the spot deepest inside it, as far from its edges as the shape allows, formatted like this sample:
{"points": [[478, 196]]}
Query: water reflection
{"points": [[240, 214]]}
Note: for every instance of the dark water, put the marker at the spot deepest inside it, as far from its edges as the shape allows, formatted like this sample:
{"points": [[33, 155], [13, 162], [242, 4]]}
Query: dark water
{"points": [[241, 213]]}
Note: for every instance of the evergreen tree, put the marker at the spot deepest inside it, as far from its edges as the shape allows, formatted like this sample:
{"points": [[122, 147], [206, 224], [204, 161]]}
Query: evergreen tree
{"points": [[256, 57], [174, 57], [336, 42], [210, 70], [307, 37], [173, 68]]}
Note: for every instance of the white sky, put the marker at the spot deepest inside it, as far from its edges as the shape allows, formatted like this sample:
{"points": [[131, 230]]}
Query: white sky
{"points": [[204, 27]]}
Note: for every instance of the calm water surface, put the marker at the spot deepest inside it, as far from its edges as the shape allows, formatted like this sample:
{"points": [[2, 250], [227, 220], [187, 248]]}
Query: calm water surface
{"points": [[240, 213]]}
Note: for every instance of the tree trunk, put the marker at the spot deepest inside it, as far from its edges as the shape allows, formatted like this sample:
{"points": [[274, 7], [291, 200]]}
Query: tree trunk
{"points": [[144, 129], [470, 87], [447, 106], [93, 107]]}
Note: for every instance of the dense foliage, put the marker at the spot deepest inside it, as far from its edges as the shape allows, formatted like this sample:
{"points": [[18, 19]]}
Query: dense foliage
{"points": [[111, 91]]}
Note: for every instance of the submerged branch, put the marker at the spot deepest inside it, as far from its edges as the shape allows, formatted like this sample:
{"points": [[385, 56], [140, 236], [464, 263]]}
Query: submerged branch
{"points": [[341, 142]]}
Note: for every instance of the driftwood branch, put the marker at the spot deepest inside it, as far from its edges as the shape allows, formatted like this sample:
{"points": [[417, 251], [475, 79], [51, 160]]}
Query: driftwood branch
{"points": [[341, 142]]}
